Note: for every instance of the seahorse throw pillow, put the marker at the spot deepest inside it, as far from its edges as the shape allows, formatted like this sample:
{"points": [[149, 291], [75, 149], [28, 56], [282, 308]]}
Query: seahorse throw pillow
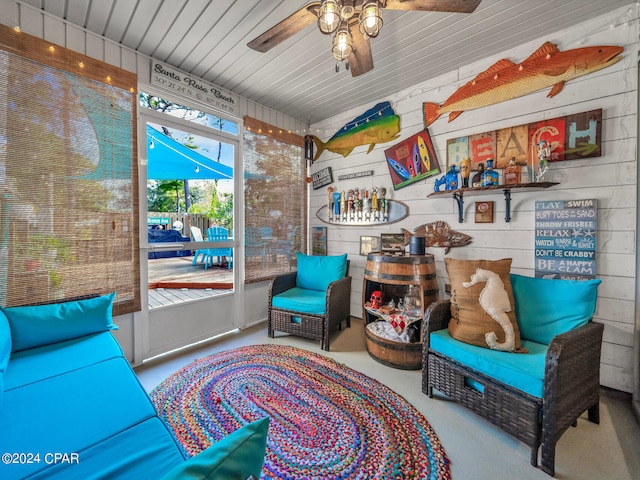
{"points": [[482, 304]]}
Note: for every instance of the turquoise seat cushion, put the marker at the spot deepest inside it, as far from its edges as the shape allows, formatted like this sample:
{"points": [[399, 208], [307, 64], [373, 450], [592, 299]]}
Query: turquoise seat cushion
{"points": [[43, 324], [35, 364], [146, 450], [546, 307], [5, 350], [236, 456], [316, 272], [523, 372], [72, 411], [301, 300]]}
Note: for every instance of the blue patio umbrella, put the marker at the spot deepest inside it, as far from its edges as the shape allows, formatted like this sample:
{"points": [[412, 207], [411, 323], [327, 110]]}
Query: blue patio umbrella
{"points": [[170, 160]]}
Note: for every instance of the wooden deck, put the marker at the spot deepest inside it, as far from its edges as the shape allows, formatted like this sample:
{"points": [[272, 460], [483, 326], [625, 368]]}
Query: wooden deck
{"points": [[176, 280], [161, 297]]}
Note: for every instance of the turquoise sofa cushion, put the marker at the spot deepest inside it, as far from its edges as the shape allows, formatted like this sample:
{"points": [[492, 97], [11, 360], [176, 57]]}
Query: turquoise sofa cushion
{"points": [[43, 324], [546, 307], [316, 272], [236, 456], [5, 350], [35, 364], [524, 372], [145, 451], [301, 300], [72, 411]]}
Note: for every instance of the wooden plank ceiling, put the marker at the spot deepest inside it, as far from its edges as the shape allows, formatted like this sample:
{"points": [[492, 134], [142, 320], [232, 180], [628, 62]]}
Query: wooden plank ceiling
{"points": [[208, 38]]}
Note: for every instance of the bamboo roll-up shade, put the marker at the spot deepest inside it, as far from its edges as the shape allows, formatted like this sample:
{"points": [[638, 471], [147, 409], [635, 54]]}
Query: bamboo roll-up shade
{"points": [[68, 176], [275, 199]]}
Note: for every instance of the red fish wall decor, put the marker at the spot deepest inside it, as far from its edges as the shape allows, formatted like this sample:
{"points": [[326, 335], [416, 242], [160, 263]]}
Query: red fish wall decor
{"points": [[505, 80]]}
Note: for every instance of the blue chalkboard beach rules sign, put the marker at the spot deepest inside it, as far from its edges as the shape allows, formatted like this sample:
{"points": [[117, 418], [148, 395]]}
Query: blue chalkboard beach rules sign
{"points": [[565, 239]]}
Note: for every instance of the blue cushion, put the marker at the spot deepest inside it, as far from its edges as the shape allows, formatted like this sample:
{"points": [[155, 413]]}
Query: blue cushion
{"points": [[35, 364], [71, 412], [43, 324], [301, 300], [146, 450], [238, 455], [316, 272], [546, 307], [5, 349], [524, 372]]}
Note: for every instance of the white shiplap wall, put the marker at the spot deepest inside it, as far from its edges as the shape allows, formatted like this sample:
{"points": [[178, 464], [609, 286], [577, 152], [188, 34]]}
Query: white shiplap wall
{"points": [[610, 178]]}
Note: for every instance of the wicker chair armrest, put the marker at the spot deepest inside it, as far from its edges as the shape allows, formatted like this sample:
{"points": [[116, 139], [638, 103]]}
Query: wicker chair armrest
{"points": [[573, 358], [338, 294], [436, 317], [281, 283]]}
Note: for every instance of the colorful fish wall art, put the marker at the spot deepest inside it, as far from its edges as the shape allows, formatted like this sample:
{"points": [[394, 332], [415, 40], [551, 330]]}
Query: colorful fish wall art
{"points": [[411, 160], [505, 80], [379, 124]]}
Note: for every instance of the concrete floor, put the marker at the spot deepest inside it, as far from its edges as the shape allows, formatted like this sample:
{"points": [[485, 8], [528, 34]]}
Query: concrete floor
{"points": [[477, 449]]}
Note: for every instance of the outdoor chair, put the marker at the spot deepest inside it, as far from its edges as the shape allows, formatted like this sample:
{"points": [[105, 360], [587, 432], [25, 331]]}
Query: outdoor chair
{"points": [[196, 233], [534, 396], [254, 246], [313, 301], [218, 234], [284, 247]]}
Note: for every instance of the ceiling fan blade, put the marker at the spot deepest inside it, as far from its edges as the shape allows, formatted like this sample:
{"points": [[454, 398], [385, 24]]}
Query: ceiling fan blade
{"points": [[286, 28], [459, 6], [361, 59]]}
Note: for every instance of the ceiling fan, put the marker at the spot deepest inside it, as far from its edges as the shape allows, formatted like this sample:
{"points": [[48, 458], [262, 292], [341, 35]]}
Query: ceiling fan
{"points": [[353, 23]]}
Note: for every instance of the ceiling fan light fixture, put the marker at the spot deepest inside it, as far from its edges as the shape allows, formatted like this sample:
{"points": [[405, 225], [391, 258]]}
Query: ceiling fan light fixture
{"points": [[371, 19], [342, 45], [329, 16]]}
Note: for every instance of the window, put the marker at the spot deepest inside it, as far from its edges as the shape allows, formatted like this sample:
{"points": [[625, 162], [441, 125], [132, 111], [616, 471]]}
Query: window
{"points": [[275, 199], [187, 113], [69, 208]]}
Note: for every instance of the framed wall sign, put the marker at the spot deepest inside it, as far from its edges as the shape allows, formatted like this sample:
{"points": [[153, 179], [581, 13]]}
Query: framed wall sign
{"points": [[412, 160], [392, 243], [565, 241], [484, 212], [322, 178], [319, 240], [369, 244]]}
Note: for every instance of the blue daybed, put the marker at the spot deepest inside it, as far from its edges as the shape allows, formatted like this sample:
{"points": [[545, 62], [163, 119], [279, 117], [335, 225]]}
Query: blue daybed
{"points": [[72, 407]]}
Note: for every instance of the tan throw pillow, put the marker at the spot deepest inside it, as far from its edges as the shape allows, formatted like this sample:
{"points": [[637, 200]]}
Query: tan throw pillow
{"points": [[482, 304]]}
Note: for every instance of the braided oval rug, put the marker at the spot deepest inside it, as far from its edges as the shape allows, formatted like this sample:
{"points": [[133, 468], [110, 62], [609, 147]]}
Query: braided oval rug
{"points": [[327, 420]]}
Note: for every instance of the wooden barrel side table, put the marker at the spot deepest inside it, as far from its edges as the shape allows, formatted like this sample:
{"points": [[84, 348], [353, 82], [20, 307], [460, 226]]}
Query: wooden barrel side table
{"points": [[392, 275]]}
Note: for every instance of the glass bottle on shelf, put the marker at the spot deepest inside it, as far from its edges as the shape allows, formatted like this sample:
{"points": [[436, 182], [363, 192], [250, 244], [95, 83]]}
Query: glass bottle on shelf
{"points": [[413, 302], [490, 177], [476, 181]]}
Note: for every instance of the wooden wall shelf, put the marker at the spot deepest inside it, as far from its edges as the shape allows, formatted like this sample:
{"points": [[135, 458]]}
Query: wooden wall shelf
{"points": [[506, 189]]}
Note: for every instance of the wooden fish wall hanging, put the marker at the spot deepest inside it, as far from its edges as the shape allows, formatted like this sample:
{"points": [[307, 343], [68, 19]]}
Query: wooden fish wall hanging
{"points": [[505, 80], [438, 234], [379, 124]]}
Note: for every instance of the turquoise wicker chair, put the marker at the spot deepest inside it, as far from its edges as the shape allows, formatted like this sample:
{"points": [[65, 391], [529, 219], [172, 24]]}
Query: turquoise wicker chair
{"points": [[313, 301]]}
